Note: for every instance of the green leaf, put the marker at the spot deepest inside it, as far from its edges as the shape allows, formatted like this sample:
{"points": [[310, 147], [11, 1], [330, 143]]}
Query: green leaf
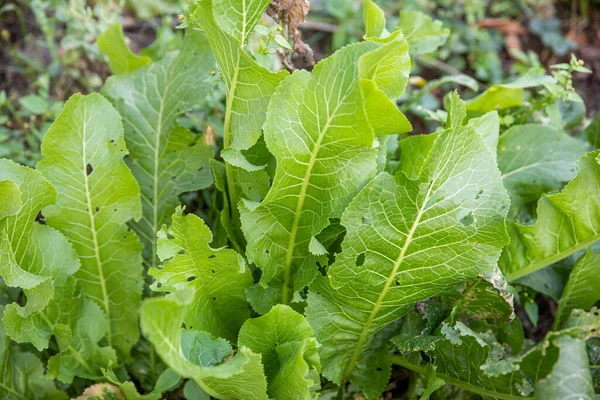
{"points": [[408, 239], [203, 349], [374, 19], [120, 59], [246, 100], [583, 288], [249, 87], [536, 159], [458, 354], [240, 377], [218, 278], [166, 159], [570, 377], [35, 258], [508, 95], [97, 195], [10, 199], [423, 34], [34, 104], [321, 128], [572, 216], [289, 352], [22, 373], [167, 381], [591, 134]]}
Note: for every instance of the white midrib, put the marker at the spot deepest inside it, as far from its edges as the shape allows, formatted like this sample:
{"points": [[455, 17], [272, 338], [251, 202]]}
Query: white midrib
{"points": [[106, 300], [298, 211], [365, 331], [529, 166], [155, 179]]}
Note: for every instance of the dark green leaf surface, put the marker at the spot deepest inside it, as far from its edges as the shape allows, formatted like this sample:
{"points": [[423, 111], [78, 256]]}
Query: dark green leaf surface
{"points": [[166, 159]]}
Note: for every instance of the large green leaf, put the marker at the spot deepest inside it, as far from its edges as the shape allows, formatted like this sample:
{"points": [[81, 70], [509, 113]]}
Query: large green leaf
{"points": [[22, 373], [249, 88], [97, 195], [408, 239], [321, 128], [166, 159], [120, 59], [289, 352], [536, 159], [218, 277], [240, 377], [583, 288], [566, 223]]}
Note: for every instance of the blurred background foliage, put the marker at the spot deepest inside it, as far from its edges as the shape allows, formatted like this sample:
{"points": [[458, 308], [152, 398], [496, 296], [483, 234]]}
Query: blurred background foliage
{"points": [[48, 51]]}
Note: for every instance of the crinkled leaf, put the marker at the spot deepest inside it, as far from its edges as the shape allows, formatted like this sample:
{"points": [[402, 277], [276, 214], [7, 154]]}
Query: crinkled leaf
{"points": [[218, 278], [583, 288], [22, 373], [536, 159], [240, 377], [201, 348], [321, 129], [10, 198], [566, 223], [97, 195], [120, 59], [166, 159], [289, 352], [423, 33], [407, 239]]}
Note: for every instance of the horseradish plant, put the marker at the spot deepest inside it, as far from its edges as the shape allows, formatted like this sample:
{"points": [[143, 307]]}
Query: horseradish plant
{"points": [[354, 250]]}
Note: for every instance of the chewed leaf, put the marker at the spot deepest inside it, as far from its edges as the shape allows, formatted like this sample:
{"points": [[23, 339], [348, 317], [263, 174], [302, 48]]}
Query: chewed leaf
{"points": [[96, 196], [218, 278], [423, 235], [321, 130]]}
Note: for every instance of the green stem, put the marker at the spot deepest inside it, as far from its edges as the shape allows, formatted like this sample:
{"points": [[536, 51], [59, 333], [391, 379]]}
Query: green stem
{"points": [[398, 360]]}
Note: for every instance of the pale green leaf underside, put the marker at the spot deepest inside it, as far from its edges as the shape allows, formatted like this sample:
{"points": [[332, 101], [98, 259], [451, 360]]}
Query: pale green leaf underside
{"points": [[97, 195], [120, 59], [535, 159], [566, 223], [289, 352], [238, 18], [407, 240], [321, 130], [570, 378], [217, 278], [166, 159], [240, 377]]}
